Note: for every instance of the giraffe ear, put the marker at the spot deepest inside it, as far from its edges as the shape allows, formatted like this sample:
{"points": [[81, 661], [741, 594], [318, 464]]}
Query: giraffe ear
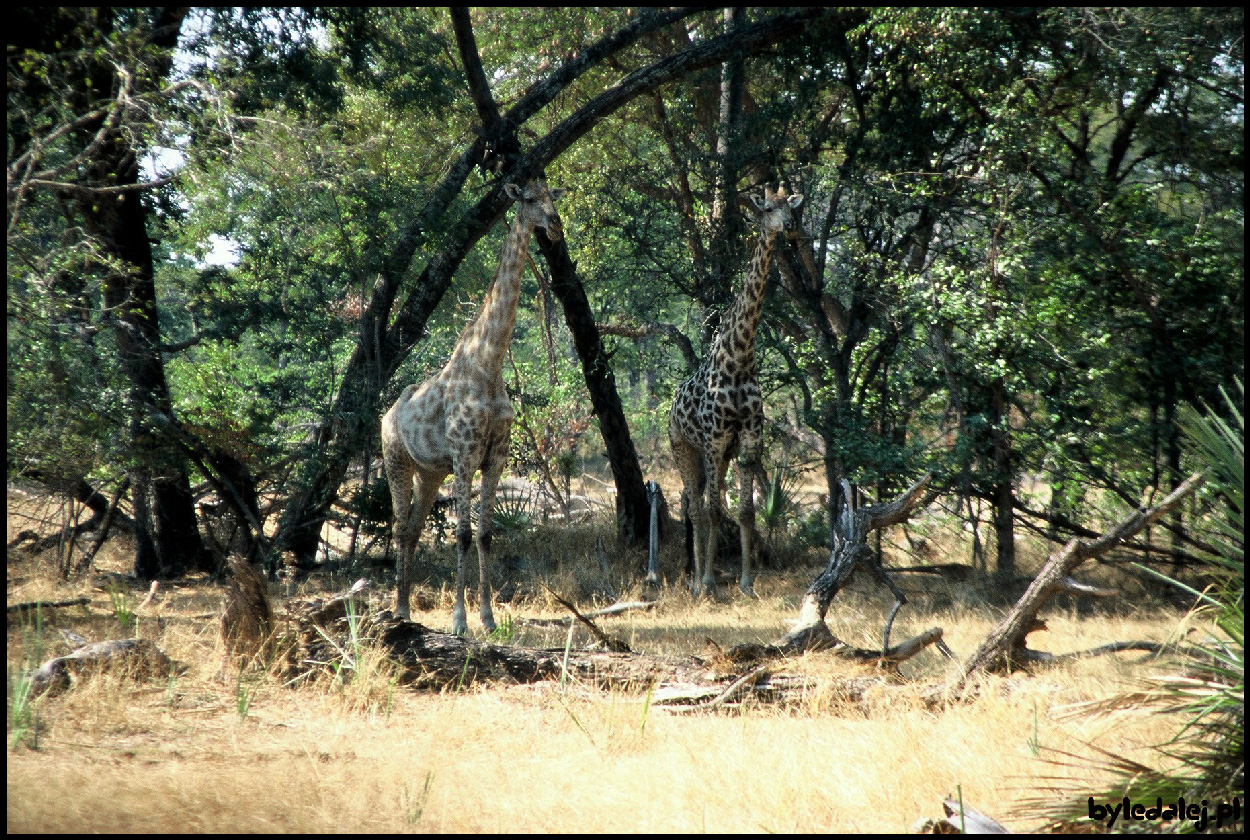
{"points": [[513, 191], [556, 194], [796, 200], [752, 202]]}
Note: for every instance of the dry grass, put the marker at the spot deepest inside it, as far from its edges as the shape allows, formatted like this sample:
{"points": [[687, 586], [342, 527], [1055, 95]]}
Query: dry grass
{"points": [[187, 755]]}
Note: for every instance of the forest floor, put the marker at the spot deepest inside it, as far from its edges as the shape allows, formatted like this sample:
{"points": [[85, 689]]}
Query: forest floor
{"points": [[208, 750]]}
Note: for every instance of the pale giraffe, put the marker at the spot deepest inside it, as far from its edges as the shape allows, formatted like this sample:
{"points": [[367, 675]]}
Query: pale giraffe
{"points": [[458, 421], [719, 411]]}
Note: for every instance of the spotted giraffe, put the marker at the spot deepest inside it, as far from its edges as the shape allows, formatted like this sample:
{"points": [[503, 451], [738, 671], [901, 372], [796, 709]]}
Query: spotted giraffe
{"points": [[719, 412], [459, 421]]}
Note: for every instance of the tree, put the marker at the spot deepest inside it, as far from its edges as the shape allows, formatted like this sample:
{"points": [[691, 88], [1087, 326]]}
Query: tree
{"points": [[84, 85]]}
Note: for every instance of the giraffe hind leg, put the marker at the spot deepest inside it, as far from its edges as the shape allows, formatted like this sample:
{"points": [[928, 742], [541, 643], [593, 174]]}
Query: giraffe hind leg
{"points": [[491, 474], [689, 464], [399, 475], [464, 536], [746, 527]]}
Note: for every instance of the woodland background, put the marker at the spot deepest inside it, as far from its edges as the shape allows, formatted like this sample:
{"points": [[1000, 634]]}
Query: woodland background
{"points": [[233, 236]]}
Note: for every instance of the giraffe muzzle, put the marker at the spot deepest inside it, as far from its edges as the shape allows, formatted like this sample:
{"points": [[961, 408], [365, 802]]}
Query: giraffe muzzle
{"points": [[555, 230]]}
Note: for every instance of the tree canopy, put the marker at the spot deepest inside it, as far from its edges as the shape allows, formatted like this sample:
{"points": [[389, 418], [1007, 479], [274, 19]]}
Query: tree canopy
{"points": [[234, 235]]}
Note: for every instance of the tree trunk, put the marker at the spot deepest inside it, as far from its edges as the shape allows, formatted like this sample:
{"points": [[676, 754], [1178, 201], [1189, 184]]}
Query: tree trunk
{"points": [[633, 511], [1004, 480], [117, 220]]}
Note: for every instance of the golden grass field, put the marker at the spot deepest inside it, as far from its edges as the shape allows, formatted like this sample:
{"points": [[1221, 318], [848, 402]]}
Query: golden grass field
{"points": [[207, 752]]}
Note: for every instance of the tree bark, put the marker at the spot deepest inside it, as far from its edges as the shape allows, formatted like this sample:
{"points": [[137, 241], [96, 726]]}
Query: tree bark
{"points": [[1004, 481], [633, 510]]}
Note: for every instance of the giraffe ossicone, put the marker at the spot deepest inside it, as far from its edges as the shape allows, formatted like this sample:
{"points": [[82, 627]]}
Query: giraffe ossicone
{"points": [[718, 413], [458, 421]]}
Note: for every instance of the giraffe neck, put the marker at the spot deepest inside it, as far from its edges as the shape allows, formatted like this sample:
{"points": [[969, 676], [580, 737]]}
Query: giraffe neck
{"points": [[736, 336], [484, 342]]}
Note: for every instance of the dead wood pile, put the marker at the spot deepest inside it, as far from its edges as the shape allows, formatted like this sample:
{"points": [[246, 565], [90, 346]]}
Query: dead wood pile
{"points": [[329, 634]]}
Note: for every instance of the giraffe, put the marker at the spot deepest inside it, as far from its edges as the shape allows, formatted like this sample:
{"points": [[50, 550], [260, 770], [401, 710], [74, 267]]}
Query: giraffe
{"points": [[458, 421], [719, 411]]}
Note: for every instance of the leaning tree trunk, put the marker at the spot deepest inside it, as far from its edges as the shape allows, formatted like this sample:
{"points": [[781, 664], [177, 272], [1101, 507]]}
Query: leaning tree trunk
{"points": [[1005, 648], [633, 510]]}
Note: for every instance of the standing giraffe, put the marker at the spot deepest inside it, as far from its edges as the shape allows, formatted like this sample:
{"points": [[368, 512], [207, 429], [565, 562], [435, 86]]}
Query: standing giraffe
{"points": [[458, 421], [719, 411]]}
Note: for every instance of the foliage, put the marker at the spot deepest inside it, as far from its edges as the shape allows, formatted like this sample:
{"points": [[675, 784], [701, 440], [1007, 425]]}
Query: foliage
{"points": [[1022, 239], [1205, 760], [23, 711], [779, 502], [123, 607]]}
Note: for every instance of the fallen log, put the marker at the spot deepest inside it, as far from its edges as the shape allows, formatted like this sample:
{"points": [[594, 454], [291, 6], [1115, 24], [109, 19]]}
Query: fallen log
{"points": [[818, 637], [430, 659], [137, 658], [739, 686], [1006, 647], [565, 621], [30, 607]]}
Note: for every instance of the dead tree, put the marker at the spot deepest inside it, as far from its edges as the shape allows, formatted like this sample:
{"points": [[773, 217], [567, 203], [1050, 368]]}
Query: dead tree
{"points": [[850, 551], [1006, 647]]}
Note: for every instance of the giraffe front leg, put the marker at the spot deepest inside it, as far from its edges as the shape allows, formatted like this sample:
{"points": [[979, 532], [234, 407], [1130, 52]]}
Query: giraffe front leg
{"points": [[491, 473], [746, 522], [748, 465], [422, 503], [715, 506], [464, 536]]}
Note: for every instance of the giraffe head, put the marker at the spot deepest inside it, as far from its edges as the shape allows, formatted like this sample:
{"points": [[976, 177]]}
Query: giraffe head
{"points": [[774, 213], [536, 206]]}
